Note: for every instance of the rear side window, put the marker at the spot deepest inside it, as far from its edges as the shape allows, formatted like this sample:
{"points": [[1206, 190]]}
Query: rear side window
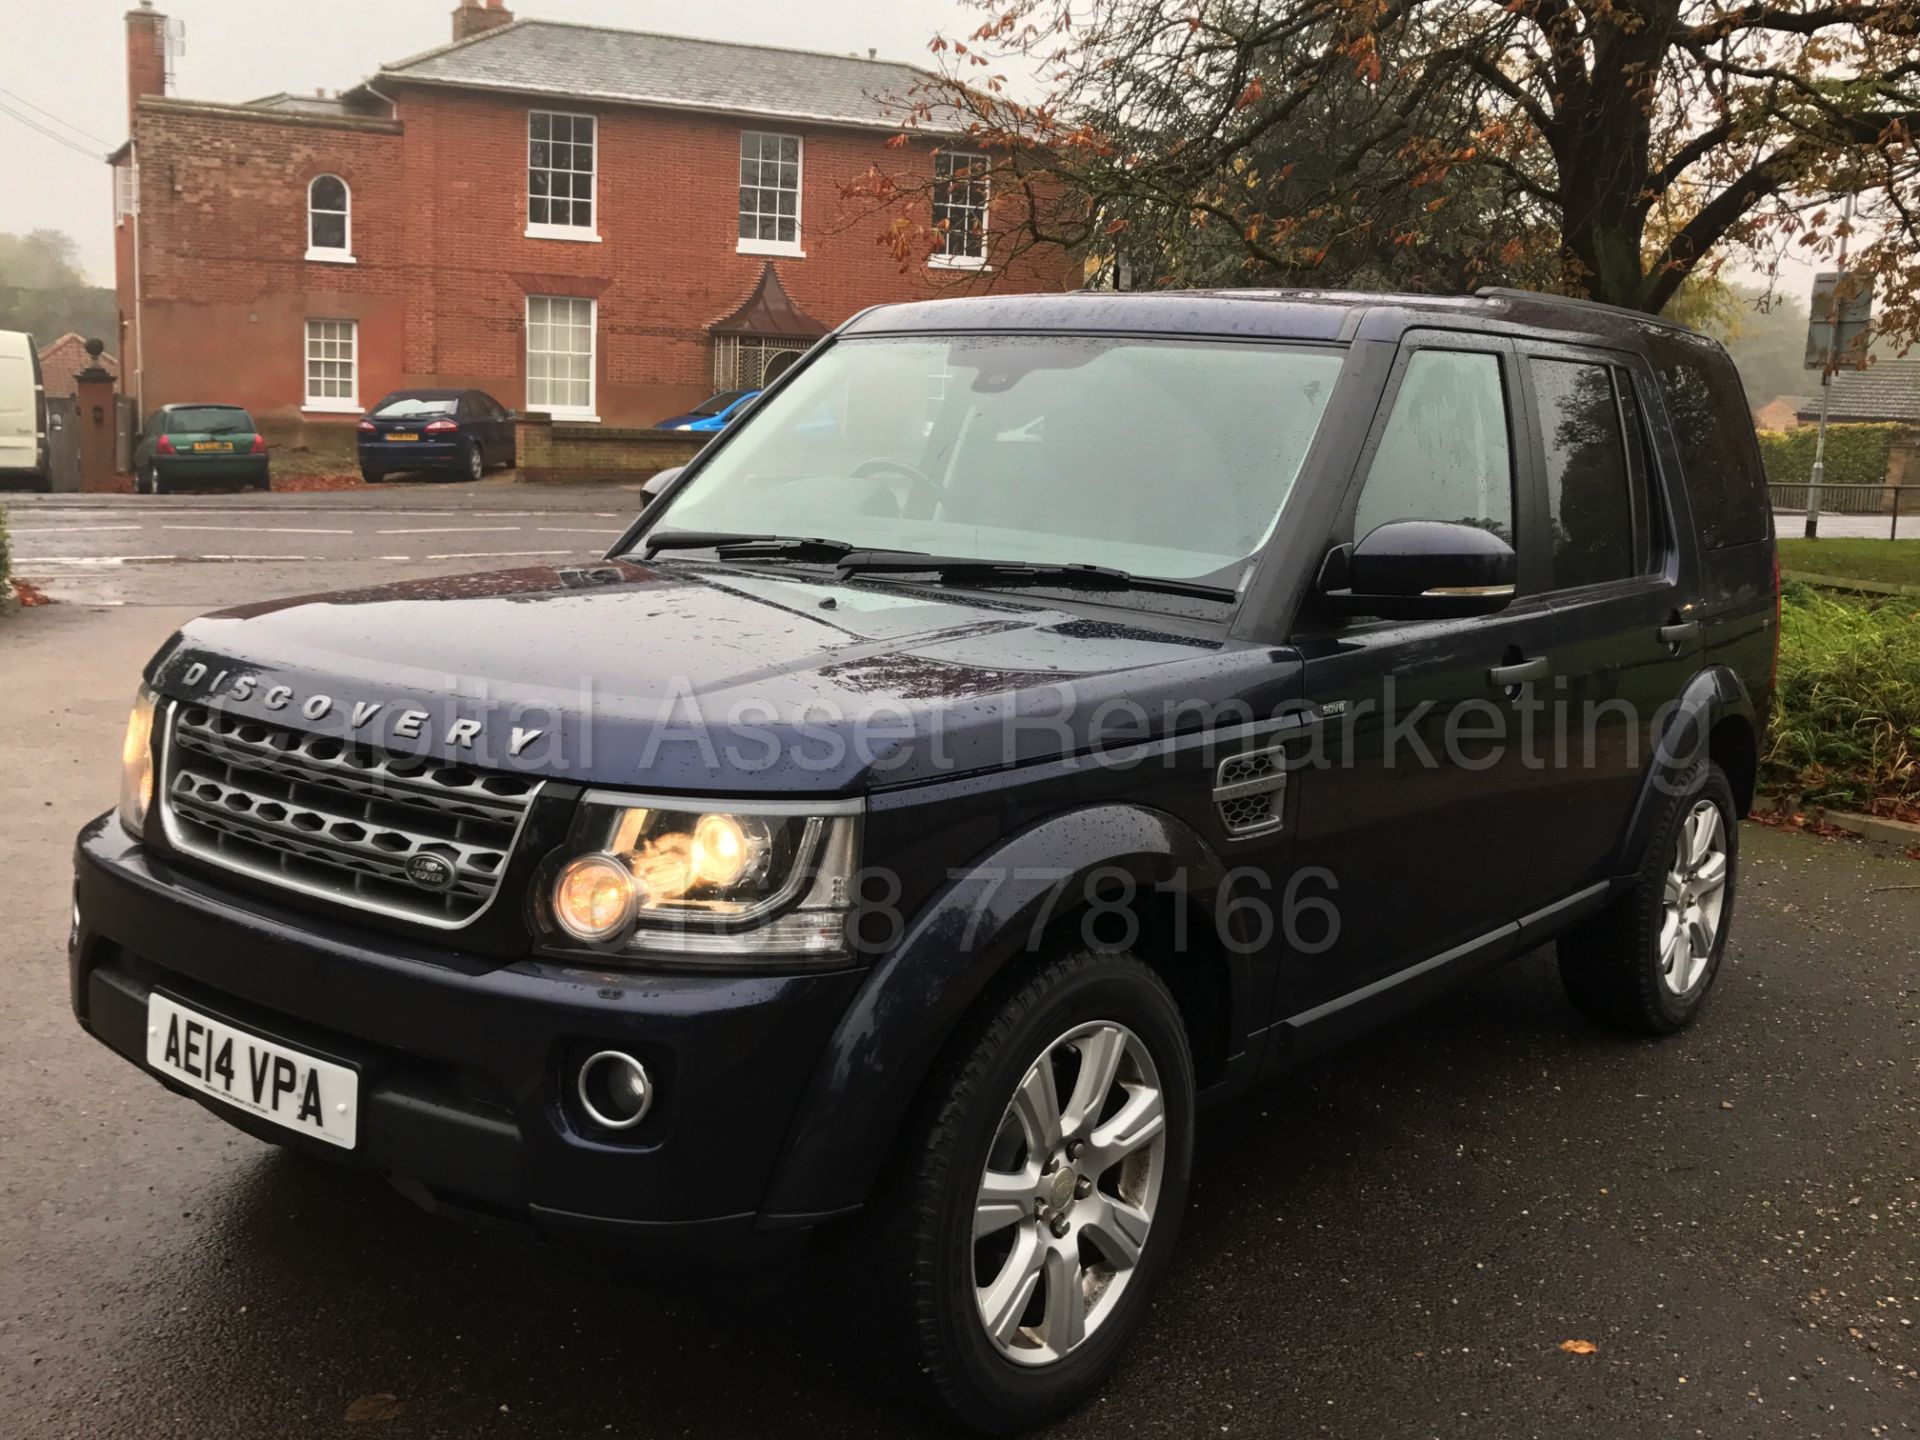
{"points": [[1444, 454], [1719, 457], [1589, 497]]}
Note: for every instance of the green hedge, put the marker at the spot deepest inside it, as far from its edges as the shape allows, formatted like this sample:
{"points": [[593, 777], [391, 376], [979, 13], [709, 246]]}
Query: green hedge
{"points": [[1856, 455], [1846, 721]]}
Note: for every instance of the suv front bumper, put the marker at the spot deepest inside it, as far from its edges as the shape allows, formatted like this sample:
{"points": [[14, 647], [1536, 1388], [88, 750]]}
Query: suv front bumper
{"points": [[466, 1064]]}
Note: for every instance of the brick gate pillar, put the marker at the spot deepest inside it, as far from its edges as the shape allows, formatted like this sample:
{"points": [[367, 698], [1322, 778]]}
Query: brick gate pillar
{"points": [[94, 397]]}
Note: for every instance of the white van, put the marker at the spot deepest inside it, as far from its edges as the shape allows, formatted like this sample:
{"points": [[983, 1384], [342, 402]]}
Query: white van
{"points": [[23, 413]]}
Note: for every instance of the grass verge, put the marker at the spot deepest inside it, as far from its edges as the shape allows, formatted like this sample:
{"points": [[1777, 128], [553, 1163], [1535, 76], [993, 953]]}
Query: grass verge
{"points": [[1885, 562], [1846, 723]]}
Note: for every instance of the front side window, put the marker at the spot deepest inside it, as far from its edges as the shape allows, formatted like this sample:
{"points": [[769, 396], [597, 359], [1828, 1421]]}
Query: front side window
{"points": [[560, 170], [959, 208], [329, 219], [560, 355], [1169, 458], [333, 379], [1589, 499], [769, 193], [1445, 453]]}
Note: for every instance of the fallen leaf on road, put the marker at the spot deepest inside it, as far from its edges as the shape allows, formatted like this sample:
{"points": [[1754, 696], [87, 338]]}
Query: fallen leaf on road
{"points": [[1578, 1347], [369, 1409]]}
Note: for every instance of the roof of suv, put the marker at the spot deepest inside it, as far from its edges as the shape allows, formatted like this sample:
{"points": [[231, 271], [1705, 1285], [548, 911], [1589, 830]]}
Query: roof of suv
{"points": [[1288, 314]]}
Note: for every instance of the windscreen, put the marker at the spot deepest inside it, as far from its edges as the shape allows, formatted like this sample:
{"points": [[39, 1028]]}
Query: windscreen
{"points": [[1161, 457], [208, 420], [407, 407], [718, 403]]}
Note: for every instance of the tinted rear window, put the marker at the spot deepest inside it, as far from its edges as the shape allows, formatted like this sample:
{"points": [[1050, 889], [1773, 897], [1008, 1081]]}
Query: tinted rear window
{"points": [[1719, 456], [208, 419], [405, 407]]}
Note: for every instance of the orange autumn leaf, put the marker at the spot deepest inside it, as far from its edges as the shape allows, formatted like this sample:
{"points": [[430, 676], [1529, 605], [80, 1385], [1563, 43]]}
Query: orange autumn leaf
{"points": [[1578, 1347]]}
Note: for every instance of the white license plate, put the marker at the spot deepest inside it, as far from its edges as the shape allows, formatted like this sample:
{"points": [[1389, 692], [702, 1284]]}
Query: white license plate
{"points": [[302, 1092]]}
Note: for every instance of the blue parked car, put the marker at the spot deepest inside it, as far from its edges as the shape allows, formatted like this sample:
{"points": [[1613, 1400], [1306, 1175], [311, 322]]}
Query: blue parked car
{"points": [[713, 413], [459, 433]]}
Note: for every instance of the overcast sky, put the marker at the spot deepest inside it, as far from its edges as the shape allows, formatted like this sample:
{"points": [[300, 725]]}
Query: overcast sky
{"points": [[68, 57]]}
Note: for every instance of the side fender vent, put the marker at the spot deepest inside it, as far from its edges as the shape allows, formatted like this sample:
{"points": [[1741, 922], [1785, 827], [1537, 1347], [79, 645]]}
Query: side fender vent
{"points": [[1249, 791]]}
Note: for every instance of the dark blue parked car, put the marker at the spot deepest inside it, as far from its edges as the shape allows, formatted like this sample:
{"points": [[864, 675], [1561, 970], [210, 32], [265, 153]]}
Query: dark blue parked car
{"points": [[457, 433], [714, 413]]}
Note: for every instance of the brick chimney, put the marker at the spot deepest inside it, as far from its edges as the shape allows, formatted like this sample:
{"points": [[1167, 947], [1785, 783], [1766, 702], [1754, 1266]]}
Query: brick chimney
{"points": [[474, 18], [146, 55]]}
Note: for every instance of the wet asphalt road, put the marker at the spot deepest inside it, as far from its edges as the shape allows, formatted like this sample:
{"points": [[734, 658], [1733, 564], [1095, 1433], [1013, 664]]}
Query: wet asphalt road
{"points": [[1393, 1243]]}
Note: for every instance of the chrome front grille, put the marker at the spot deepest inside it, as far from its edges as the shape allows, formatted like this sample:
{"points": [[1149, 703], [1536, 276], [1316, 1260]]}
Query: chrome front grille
{"points": [[324, 816]]}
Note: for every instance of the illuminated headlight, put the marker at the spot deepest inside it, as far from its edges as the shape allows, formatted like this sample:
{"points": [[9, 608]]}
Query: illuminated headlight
{"points": [[731, 883], [136, 764]]}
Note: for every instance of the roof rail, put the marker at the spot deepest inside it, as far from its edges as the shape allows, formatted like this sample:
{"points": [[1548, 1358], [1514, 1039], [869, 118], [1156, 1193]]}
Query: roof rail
{"points": [[1509, 292]]}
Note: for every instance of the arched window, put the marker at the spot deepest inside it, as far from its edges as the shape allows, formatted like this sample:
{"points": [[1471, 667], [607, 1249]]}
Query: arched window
{"points": [[329, 219]]}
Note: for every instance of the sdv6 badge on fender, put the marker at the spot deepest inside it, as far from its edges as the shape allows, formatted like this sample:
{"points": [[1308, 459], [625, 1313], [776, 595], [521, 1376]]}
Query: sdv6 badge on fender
{"points": [[409, 724]]}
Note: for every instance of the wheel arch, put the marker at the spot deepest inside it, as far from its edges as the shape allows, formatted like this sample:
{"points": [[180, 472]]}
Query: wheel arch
{"points": [[976, 937], [1713, 718]]}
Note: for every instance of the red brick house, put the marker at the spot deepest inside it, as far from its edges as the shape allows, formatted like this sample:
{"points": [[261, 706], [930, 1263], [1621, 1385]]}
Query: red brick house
{"points": [[582, 221], [66, 358]]}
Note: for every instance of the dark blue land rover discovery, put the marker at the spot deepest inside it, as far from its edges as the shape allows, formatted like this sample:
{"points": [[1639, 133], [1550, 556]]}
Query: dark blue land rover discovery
{"points": [[1038, 717]]}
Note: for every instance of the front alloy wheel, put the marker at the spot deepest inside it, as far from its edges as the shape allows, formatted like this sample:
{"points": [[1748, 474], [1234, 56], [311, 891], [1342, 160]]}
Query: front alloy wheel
{"points": [[1068, 1194], [1036, 1193]]}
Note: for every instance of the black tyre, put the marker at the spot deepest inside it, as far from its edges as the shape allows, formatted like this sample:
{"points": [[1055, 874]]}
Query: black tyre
{"points": [[475, 465], [1648, 962], [372, 475], [154, 484], [1037, 1192]]}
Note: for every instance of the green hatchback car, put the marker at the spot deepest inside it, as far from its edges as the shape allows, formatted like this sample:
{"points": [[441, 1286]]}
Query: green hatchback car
{"points": [[197, 445]]}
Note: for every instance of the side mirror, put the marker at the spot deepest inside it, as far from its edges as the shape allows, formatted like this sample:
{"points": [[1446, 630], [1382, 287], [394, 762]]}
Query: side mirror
{"points": [[656, 484], [1423, 570]]}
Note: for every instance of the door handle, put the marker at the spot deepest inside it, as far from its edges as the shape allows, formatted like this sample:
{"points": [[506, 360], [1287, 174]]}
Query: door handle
{"points": [[1680, 633], [1505, 676]]}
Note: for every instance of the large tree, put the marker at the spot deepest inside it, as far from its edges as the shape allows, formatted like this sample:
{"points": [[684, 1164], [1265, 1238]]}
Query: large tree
{"points": [[1621, 149], [44, 292]]}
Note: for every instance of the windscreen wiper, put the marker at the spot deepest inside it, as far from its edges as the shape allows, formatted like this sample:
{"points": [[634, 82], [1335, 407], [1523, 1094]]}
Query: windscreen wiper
{"points": [[804, 548], [1021, 572]]}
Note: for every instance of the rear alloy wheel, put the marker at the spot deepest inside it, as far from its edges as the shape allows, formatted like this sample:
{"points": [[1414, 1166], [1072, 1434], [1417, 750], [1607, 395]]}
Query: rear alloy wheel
{"points": [[1648, 961], [1037, 1194], [476, 463]]}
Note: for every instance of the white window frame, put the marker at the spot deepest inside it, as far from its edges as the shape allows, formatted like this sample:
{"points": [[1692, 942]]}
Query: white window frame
{"points": [[325, 254], [585, 413], [589, 234], [126, 192], [348, 404], [942, 259], [774, 247]]}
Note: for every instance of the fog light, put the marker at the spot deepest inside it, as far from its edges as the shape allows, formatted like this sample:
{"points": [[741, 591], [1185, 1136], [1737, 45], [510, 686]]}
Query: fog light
{"points": [[595, 897], [615, 1091]]}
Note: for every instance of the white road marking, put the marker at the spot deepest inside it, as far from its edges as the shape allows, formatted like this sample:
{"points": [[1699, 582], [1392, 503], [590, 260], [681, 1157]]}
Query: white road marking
{"points": [[257, 530], [502, 554], [70, 529], [562, 530], [458, 530], [256, 557], [94, 560]]}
